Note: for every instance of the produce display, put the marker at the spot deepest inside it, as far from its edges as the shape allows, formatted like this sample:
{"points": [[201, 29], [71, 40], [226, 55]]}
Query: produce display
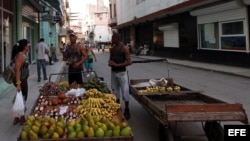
{"points": [[159, 89], [97, 84], [98, 104], [57, 115]]}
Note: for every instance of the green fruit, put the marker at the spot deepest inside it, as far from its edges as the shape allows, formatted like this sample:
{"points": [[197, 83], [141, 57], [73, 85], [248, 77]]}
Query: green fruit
{"points": [[46, 123], [29, 123], [60, 124], [72, 122], [123, 124], [126, 131], [37, 123], [169, 89], [51, 129], [85, 128], [30, 118], [78, 125], [46, 136], [111, 125], [96, 119], [70, 128], [52, 121], [90, 132], [35, 129], [99, 132], [24, 135], [72, 135], [78, 128], [116, 130], [43, 130], [33, 135], [55, 135], [108, 133], [59, 130], [104, 127], [80, 134], [26, 128]]}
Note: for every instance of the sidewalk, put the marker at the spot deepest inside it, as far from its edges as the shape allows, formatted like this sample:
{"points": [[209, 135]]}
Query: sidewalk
{"points": [[9, 132], [238, 71]]}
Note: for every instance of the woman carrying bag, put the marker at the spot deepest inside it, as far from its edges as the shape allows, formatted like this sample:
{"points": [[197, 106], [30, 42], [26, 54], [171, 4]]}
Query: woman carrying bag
{"points": [[19, 55]]}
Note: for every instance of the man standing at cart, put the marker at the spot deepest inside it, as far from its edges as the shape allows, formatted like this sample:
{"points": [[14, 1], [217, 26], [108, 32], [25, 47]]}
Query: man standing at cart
{"points": [[119, 59], [75, 55]]}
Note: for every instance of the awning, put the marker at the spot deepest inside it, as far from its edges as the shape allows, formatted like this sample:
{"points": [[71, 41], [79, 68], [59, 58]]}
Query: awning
{"points": [[56, 4]]}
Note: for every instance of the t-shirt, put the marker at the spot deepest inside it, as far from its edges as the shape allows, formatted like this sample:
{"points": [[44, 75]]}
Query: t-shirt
{"points": [[41, 49]]}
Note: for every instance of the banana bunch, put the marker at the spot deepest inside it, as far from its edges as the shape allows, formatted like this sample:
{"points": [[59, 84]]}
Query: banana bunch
{"points": [[93, 93], [98, 104], [93, 102], [109, 98]]}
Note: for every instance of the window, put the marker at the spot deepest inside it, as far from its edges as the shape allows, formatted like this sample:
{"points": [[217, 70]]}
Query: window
{"points": [[232, 36], [209, 35], [223, 35]]}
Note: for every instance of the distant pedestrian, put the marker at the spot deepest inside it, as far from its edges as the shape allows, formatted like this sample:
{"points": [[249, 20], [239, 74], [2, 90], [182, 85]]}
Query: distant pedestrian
{"points": [[75, 56], [90, 58], [53, 52], [103, 48], [42, 50], [19, 55]]}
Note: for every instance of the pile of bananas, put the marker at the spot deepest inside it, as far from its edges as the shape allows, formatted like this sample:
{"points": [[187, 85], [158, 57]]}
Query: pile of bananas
{"points": [[98, 104]]}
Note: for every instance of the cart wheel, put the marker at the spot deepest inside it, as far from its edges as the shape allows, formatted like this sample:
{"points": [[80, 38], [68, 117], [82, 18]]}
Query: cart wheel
{"points": [[214, 131], [164, 133]]}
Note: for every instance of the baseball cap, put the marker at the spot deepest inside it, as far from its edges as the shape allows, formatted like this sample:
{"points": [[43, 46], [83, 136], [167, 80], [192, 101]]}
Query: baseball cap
{"points": [[72, 34]]}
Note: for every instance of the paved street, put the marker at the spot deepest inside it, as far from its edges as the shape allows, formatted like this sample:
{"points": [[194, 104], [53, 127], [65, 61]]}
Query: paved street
{"points": [[143, 124]]}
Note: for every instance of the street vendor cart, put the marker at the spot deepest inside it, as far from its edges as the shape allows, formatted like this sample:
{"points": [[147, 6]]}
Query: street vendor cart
{"points": [[170, 106], [74, 112]]}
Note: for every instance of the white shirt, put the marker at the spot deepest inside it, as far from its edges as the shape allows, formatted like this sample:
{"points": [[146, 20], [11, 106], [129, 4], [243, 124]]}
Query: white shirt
{"points": [[41, 47]]}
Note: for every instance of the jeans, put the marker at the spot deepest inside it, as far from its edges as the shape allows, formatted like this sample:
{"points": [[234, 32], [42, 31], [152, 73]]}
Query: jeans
{"points": [[41, 63], [119, 84]]}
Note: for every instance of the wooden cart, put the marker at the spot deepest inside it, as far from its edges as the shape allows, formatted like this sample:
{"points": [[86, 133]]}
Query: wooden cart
{"points": [[188, 106], [119, 117]]}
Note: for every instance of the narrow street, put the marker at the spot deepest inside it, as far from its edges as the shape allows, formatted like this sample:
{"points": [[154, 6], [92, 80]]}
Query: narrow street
{"points": [[228, 88]]}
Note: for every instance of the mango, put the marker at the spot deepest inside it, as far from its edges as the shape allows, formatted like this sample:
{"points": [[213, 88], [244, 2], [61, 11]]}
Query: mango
{"points": [[99, 132], [126, 131]]}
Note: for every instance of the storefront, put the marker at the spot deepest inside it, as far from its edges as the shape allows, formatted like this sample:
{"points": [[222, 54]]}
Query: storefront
{"points": [[6, 28]]}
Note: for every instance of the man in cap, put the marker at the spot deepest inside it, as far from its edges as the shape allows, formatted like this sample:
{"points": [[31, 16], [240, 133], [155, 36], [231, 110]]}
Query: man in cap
{"points": [[75, 56]]}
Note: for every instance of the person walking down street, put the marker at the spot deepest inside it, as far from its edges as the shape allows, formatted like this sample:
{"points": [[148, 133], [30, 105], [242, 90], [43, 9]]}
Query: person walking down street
{"points": [[53, 52], [20, 57], [75, 56], [119, 59], [103, 48], [89, 63], [42, 50]]}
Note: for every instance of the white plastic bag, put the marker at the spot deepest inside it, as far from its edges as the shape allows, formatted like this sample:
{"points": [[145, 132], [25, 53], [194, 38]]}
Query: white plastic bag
{"points": [[18, 106], [46, 57]]}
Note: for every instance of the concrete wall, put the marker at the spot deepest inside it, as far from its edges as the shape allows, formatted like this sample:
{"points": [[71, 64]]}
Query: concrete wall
{"points": [[131, 9]]}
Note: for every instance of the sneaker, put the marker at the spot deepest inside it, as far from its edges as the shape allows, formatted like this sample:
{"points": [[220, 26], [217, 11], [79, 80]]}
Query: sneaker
{"points": [[126, 114], [45, 78], [38, 80]]}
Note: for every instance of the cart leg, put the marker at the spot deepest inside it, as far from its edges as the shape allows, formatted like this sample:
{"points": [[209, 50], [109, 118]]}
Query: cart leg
{"points": [[164, 133], [214, 131]]}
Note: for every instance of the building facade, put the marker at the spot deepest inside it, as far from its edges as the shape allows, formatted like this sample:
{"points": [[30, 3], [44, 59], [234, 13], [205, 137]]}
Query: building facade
{"points": [[22, 19], [214, 31]]}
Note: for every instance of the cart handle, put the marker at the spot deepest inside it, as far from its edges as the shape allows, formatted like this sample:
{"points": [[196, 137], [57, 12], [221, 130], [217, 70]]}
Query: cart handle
{"points": [[150, 60]]}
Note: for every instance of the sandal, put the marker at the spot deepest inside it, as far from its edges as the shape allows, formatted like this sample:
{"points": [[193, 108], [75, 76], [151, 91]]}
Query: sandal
{"points": [[16, 120], [22, 120]]}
